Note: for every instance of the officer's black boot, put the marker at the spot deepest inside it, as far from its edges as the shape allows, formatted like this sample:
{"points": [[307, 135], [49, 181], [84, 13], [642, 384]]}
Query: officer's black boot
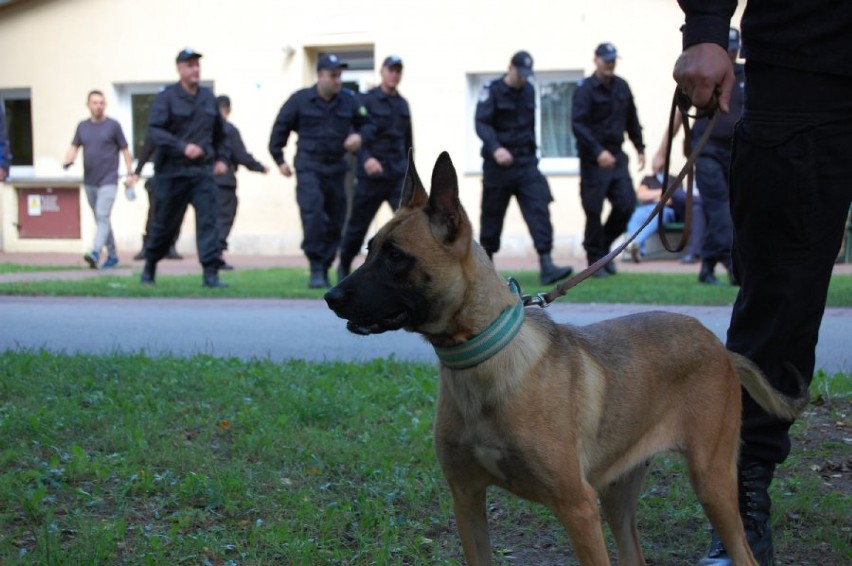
{"points": [[173, 253], [211, 278], [753, 484], [148, 273], [706, 274], [141, 254], [319, 277], [551, 273]]}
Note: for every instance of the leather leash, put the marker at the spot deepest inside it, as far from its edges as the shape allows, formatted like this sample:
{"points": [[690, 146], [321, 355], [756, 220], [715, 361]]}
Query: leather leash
{"points": [[682, 103]]}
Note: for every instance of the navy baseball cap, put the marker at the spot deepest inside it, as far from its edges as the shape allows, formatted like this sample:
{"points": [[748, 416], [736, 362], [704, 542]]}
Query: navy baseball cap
{"points": [[733, 39], [186, 54], [392, 61], [607, 52], [523, 62], [330, 61]]}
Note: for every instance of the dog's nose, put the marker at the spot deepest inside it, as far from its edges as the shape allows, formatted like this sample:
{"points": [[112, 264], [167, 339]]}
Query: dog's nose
{"points": [[334, 297]]}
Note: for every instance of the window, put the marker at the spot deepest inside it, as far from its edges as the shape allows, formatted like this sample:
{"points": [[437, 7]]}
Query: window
{"points": [[554, 92], [19, 125]]}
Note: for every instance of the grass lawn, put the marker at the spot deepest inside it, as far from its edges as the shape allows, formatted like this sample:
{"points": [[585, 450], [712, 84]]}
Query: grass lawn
{"points": [[132, 460], [290, 283]]}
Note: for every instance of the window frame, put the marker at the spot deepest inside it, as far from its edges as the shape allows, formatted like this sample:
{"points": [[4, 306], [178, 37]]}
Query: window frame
{"points": [[20, 171]]}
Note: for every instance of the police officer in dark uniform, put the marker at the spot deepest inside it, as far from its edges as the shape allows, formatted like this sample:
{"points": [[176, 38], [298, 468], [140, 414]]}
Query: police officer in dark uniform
{"points": [[185, 125], [227, 181], [505, 122], [385, 140], [327, 118], [602, 110]]}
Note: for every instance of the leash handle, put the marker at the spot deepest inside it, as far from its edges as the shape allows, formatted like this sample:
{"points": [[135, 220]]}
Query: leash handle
{"points": [[679, 101]]}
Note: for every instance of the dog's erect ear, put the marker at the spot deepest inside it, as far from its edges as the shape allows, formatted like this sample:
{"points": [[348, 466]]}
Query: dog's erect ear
{"points": [[413, 193], [445, 210]]}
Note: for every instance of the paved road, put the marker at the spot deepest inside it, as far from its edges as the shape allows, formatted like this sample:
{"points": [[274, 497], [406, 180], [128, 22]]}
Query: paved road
{"points": [[283, 329]]}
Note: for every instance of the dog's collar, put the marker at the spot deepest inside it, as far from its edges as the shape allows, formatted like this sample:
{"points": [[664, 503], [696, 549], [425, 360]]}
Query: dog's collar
{"points": [[493, 339]]}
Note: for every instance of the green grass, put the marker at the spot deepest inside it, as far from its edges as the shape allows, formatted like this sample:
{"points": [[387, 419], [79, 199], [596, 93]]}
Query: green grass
{"points": [[132, 460], [291, 283], [18, 268]]}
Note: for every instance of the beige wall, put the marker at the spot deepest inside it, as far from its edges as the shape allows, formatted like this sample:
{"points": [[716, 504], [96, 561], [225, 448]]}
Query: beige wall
{"points": [[60, 49]]}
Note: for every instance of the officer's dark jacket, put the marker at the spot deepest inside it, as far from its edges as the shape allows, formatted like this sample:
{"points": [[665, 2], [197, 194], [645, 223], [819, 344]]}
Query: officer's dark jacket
{"points": [[816, 34], [601, 114], [505, 117], [387, 133], [723, 132], [177, 119], [239, 156], [322, 127]]}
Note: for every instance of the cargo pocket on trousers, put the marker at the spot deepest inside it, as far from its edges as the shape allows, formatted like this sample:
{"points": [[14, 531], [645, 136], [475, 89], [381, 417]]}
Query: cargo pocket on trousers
{"points": [[773, 184]]}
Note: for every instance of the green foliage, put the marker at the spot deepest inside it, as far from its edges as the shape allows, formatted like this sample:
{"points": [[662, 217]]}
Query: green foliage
{"points": [[133, 460], [640, 288]]}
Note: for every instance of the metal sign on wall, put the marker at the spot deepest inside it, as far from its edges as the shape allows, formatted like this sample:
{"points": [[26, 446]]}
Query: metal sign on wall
{"points": [[49, 213]]}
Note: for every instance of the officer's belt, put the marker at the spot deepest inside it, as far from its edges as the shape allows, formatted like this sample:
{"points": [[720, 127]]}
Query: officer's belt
{"points": [[321, 158], [521, 151]]}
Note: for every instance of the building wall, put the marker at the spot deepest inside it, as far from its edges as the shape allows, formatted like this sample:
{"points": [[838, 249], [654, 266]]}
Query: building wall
{"points": [[260, 51]]}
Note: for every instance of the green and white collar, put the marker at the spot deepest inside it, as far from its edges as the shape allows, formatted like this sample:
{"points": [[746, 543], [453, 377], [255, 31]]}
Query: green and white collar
{"points": [[493, 339]]}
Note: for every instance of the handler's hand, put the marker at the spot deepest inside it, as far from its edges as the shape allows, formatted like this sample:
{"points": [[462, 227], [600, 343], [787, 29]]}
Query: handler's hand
{"points": [[220, 168], [285, 170], [193, 151], [702, 70]]}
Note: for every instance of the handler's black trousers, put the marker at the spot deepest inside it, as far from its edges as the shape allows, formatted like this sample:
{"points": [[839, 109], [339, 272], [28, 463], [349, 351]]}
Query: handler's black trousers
{"points": [[791, 185], [526, 183], [174, 193], [596, 185], [369, 196], [322, 206]]}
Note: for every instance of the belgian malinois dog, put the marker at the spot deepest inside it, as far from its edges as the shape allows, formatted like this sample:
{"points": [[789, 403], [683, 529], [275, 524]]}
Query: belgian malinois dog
{"points": [[557, 414]]}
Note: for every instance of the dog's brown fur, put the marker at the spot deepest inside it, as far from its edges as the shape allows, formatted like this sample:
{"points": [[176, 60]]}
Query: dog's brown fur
{"points": [[562, 414]]}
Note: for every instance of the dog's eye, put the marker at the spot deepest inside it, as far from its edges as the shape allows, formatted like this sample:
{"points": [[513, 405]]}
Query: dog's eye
{"points": [[395, 255]]}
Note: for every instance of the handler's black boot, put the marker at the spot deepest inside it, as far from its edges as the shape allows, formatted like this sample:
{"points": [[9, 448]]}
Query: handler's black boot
{"points": [[754, 479], [729, 267], [211, 279], [706, 274], [551, 273], [141, 254], [173, 253], [344, 268], [148, 273]]}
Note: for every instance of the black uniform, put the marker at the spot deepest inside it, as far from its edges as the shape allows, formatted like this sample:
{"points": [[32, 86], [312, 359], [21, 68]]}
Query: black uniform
{"points": [[600, 114], [227, 183], [711, 176], [386, 136], [320, 165], [505, 117], [177, 119], [790, 188]]}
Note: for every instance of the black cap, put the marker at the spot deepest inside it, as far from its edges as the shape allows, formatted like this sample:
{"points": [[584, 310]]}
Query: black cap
{"points": [[392, 61], [606, 51], [733, 39], [523, 62], [330, 61], [186, 54], [223, 100]]}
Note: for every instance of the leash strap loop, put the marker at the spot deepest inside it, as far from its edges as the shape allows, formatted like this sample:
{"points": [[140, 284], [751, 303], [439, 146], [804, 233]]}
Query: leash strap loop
{"points": [[678, 102]]}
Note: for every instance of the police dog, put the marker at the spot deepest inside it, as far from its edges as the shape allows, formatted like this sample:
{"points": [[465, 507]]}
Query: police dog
{"points": [[553, 413]]}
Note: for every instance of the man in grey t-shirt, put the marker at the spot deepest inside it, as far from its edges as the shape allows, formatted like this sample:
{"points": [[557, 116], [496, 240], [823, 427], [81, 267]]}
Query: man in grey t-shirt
{"points": [[101, 139]]}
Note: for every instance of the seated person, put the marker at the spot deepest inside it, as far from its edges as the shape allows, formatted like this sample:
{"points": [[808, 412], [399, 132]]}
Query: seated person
{"points": [[647, 196]]}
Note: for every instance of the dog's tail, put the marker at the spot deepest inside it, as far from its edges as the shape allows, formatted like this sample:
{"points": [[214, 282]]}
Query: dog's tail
{"points": [[768, 397]]}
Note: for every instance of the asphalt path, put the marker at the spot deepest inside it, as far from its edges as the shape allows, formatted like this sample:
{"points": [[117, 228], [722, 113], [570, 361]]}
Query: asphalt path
{"points": [[281, 330]]}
